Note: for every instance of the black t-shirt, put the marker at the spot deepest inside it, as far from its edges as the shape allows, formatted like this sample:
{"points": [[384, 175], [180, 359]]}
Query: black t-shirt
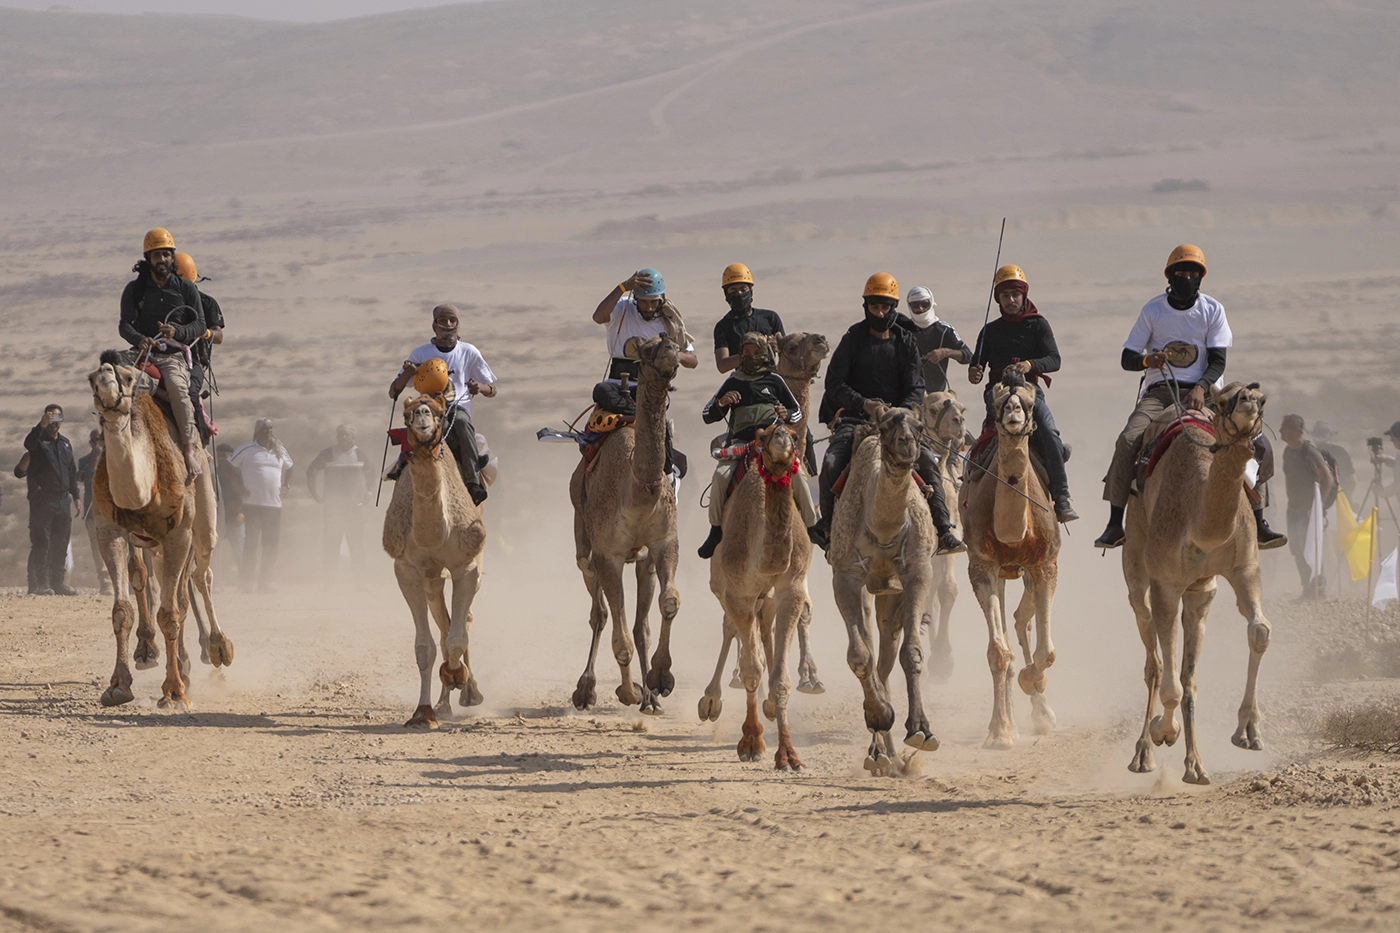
{"points": [[1300, 469], [730, 330], [213, 317]]}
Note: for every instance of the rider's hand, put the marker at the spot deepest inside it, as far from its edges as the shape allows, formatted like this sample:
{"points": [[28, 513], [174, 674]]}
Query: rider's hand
{"points": [[781, 412], [939, 354], [166, 330], [875, 407], [974, 374], [636, 281], [730, 398], [1196, 398], [473, 387], [1023, 367], [1156, 360], [145, 345]]}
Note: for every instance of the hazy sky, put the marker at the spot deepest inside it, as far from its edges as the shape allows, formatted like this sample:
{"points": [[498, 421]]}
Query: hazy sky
{"points": [[299, 10]]}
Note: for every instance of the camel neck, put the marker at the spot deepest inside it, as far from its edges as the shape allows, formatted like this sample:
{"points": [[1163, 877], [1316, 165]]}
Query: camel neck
{"points": [[778, 509], [129, 460], [1010, 512], [890, 505], [801, 389], [429, 505], [649, 451], [1221, 498]]}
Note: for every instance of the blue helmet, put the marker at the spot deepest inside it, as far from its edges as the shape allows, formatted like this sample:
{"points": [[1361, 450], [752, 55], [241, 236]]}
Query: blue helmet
{"points": [[657, 287]]}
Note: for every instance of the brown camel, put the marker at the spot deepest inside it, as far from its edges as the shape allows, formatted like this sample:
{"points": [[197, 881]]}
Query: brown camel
{"points": [[1192, 524], [945, 427], [882, 539], [432, 525], [144, 499], [625, 511], [1011, 532], [762, 562]]}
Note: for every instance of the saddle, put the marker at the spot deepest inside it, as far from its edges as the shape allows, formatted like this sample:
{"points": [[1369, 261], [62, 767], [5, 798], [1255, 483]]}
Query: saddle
{"points": [[1158, 438]]}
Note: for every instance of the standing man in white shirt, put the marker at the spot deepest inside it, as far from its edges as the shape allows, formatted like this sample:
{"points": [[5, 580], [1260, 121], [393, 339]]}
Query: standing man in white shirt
{"points": [[265, 468], [468, 375]]}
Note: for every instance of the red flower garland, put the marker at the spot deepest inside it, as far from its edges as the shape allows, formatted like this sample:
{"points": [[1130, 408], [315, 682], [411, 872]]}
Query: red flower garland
{"points": [[782, 482]]}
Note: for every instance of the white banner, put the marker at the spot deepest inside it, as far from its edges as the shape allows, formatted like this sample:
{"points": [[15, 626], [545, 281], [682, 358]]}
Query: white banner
{"points": [[1312, 543], [1386, 584]]}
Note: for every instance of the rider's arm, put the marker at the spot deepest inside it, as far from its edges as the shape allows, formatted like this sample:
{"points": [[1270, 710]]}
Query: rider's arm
{"points": [[789, 401], [126, 325], [688, 359], [603, 313], [194, 330], [397, 386], [713, 410], [1049, 359], [1133, 361], [838, 371], [964, 354], [1215, 366]]}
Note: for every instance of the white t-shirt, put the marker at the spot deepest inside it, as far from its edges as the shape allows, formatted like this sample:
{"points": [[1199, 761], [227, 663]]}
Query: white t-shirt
{"points": [[261, 471], [464, 362], [627, 322], [1203, 324]]}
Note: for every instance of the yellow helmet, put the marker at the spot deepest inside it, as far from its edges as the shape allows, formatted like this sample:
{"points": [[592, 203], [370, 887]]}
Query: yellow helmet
{"points": [[1009, 274], [159, 238], [735, 272], [431, 378], [1187, 252], [881, 285], [184, 267]]}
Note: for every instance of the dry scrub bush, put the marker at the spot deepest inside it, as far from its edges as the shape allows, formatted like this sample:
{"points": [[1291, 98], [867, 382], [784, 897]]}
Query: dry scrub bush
{"points": [[1374, 727]]}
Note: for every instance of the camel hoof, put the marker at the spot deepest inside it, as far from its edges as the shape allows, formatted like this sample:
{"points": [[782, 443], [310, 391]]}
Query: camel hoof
{"points": [[424, 717], [879, 716], [877, 763], [998, 743], [811, 686], [660, 681], [146, 655], [787, 763], [1031, 680], [116, 696], [174, 703], [1195, 774], [648, 705], [586, 693], [1248, 738], [770, 709], [923, 740], [471, 694], [220, 651], [1142, 762], [751, 748], [628, 694], [1161, 734], [452, 677], [710, 707]]}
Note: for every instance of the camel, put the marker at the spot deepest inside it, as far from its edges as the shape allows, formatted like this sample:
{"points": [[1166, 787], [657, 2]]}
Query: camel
{"points": [[1011, 533], [882, 542], [944, 430], [625, 511], [1191, 524], [759, 576], [144, 499], [433, 525]]}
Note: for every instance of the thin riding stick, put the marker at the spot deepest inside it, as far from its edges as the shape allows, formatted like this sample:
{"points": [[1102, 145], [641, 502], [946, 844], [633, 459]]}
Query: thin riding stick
{"points": [[991, 292], [385, 459]]}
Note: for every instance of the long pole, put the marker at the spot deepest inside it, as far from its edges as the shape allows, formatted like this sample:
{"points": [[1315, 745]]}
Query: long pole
{"points": [[991, 292], [393, 404], [1371, 560]]}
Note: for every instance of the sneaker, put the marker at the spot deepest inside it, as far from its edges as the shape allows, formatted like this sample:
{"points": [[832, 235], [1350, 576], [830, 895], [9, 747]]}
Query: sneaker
{"points": [[41, 591], [477, 492], [1268, 538], [707, 550], [1112, 535], [948, 543], [1064, 511], [64, 589]]}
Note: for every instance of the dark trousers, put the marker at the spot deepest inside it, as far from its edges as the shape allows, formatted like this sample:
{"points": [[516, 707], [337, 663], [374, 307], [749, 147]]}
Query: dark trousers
{"points": [[1297, 540], [838, 456], [1045, 441], [262, 532], [461, 440], [50, 524], [343, 520]]}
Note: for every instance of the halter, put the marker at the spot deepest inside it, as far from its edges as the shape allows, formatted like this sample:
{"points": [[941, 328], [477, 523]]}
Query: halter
{"points": [[781, 480]]}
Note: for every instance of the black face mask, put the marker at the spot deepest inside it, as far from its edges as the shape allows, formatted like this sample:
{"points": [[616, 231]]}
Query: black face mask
{"points": [[740, 303], [880, 318], [1183, 289]]}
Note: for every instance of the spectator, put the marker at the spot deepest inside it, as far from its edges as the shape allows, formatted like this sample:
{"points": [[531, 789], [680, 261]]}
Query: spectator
{"points": [[87, 469], [344, 482], [228, 485], [1346, 470], [265, 468], [1393, 432], [53, 498], [1303, 468]]}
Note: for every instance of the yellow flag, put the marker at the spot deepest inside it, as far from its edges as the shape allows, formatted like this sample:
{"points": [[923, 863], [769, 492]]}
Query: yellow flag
{"points": [[1346, 518], [1359, 546]]}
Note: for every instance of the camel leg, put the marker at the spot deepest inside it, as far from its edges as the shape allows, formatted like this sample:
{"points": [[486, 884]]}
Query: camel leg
{"points": [[1151, 674], [808, 680], [415, 593], [990, 592], [849, 590], [766, 610], [790, 605], [586, 692], [1036, 601], [465, 586], [666, 557], [216, 647], [174, 604], [147, 651], [113, 546], [1165, 727], [713, 700], [908, 612], [940, 665], [751, 662], [1195, 607], [1248, 597], [887, 637], [609, 575], [641, 632]]}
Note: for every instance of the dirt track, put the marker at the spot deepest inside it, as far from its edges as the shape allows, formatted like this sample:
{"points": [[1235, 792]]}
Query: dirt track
{"points": [[305, 805]]}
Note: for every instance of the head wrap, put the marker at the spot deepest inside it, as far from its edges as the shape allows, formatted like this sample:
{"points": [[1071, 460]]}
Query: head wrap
{"points": [[755, 364], [921, 318], [1028, 308]]}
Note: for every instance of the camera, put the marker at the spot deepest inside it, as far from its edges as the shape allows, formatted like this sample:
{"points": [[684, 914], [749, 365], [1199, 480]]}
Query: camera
{"points": [[1375, 444]]}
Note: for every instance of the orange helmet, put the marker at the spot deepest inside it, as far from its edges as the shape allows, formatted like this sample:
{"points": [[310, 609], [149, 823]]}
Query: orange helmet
{"points": [[881, 285], [1009, 274], [1187, 252], [735, 272], [184, 267], [431, 378], [159, 238]]}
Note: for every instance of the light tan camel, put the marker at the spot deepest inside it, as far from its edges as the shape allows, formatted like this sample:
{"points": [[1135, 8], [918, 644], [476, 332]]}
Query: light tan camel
{"points": [[1191, 524], [144, 499], [1011, 532], [882, 539], [762, 562], [432, 525], [945, 428], [625, 511]]}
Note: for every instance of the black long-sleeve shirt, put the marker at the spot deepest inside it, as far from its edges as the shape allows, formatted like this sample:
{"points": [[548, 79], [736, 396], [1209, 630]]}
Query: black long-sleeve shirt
{"points": [[146, 305], [866, 367], [52, 470], [767, 391], [940, 335], [1031, 340]]}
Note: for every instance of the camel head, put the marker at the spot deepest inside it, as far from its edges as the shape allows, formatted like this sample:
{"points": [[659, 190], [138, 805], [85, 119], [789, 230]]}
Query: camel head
{"points": [[1013, 403], [777, 447], [900, 430], [800, 355], [1239, 412], [943, 418], [661, 354], [423, 418], [113, 387]]}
